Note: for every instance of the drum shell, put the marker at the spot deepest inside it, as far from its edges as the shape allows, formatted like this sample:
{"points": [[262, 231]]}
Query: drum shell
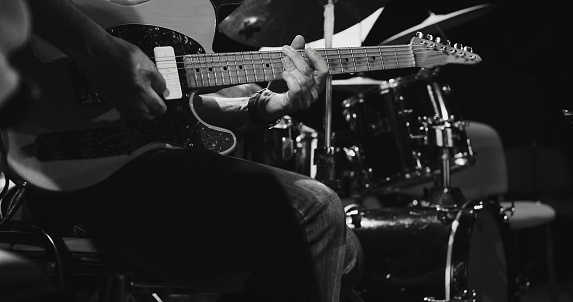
{"points": [[412, 253], [401, 127]]}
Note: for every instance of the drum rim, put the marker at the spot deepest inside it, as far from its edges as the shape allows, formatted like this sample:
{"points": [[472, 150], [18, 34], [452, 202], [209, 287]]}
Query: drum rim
{"points": [[463, 240]]}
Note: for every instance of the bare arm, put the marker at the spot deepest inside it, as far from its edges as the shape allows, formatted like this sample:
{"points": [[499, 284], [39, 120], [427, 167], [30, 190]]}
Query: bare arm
{"points": [[126, 78], [304, 82], [119, 71]]}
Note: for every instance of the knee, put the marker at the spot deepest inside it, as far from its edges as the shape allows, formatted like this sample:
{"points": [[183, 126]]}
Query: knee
{"points": [[327, 206]]}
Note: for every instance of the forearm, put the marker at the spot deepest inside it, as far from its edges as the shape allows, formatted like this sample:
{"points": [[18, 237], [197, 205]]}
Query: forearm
{"points": [[66, 27], [232, 112], [225, 112]]}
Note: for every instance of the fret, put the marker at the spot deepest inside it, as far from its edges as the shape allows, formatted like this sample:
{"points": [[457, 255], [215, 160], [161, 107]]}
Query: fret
{"points": [[381, 57], [336, 63], [253, 66], [273, 75], [221, 67], [197, 70], [340, 60], [222, 59], [274, 57], [261, 67], [212, 67], [367, 59], [236, 69], [265, 65], [228, 68], [206, 69], [395, 54], [200, 82], [269, 70], [353, 58], [242, 66]]}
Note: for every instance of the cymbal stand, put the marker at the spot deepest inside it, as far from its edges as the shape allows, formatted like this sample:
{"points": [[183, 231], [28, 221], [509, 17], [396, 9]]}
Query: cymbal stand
{"points": [[326, 171], [443, 195]]}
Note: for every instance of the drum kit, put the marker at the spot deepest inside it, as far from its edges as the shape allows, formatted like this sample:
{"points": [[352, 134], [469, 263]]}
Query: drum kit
{"points": [[401, 132]]}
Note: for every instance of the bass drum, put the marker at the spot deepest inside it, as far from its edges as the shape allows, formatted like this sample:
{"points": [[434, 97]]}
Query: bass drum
{"points": [[425, 254]]}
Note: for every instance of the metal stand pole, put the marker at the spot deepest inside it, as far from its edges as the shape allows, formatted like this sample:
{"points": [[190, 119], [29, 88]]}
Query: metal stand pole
{"points": [[443, 196], [326, 165]]}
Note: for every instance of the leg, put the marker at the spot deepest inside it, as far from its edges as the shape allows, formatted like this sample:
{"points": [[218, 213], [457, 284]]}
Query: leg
{"points": [[217, 214]]}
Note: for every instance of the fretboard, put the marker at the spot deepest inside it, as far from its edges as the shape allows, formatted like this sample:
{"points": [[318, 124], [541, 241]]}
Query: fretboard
{"points": [[222, 69]]}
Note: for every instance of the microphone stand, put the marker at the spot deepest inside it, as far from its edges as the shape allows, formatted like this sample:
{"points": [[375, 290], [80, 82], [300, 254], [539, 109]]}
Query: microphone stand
{"points": [[325, 156]]}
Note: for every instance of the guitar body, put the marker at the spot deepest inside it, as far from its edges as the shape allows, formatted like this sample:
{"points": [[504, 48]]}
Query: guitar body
{"points": [[71, 140]]}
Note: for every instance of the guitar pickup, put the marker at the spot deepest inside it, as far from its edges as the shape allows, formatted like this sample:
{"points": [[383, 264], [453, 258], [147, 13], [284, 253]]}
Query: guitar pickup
{"points": [[167, 66]]}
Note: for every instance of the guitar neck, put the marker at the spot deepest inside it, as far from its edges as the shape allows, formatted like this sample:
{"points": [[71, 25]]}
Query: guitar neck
{"points": [[221, 69]]}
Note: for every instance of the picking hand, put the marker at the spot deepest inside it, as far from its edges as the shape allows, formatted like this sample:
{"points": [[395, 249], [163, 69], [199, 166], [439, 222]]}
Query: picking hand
{"points": [[127, 79]]}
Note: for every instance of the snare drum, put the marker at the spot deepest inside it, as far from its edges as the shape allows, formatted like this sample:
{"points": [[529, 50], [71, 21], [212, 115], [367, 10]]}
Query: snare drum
{"points": [[402, 126], [424, 254]]}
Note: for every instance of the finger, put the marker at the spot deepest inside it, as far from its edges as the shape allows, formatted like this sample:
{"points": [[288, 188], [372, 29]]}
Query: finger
{"points": [[296, 81], [298, 61], [319, 64], [139, 110]]}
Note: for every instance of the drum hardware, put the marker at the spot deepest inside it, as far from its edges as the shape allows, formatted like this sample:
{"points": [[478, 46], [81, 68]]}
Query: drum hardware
{"points": [[403, 128], [289, 145], [442, 195], [325, 156], [568, 114], [360, 175], [286, 148], [326, 167]]}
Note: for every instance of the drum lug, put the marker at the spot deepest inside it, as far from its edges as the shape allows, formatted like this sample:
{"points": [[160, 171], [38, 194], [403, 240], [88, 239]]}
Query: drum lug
{"points": [[353, 216], [463, 298]]}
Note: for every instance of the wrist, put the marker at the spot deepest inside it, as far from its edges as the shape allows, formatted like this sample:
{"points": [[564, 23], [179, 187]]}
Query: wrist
{"points": [[257, 106]]}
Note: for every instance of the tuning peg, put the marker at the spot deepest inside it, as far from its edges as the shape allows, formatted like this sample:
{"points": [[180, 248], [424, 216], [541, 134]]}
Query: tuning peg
{"points": [[438, 40], [458, 45], [429, 37], [468, 49], [419, 35]]}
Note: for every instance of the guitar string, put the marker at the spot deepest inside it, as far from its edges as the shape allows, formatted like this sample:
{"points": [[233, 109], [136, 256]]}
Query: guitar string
{"points": [[351, 51], [256, 56], [256, 62]]}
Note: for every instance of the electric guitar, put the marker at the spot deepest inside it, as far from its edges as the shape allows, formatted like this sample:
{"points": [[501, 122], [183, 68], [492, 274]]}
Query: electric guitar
{"points": [[72, 140]]}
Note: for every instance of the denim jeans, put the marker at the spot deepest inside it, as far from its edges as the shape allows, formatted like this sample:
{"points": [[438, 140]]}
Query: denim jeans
{"points": [[213, 214]]}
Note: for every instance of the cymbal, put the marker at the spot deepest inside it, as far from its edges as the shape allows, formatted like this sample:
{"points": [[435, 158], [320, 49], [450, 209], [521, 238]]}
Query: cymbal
{"points": [[440, 23], [274, 23]]}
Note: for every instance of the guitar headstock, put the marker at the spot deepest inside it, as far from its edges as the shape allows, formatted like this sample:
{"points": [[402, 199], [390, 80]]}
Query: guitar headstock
{"points": [[432, 52]]}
